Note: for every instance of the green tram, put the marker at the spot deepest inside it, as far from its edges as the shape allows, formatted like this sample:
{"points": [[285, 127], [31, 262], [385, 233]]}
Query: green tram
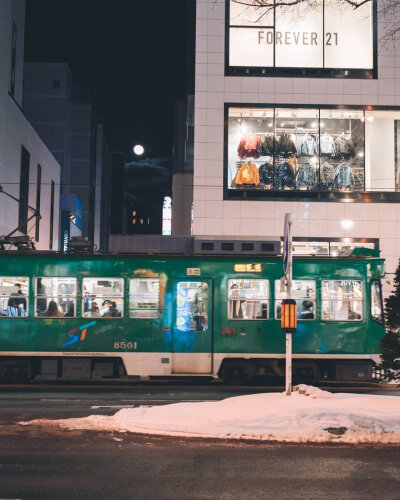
{"points": [[92, 316]]}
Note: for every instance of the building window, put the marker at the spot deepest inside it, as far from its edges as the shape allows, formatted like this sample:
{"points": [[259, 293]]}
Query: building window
{"points": [[13, 58], [55, 297], [103, 298], [324, 38], [248, 299], [342, 300], [144, 297], [24, 191], [14, 292], [192, 306], [303, 291], [51, 214], [38, 192], [311, 150]]}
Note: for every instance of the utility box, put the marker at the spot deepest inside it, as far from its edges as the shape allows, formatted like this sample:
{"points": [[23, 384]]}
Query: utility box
{"points": [[49, 369], [76, 369], [103, 369], [353, 370]]}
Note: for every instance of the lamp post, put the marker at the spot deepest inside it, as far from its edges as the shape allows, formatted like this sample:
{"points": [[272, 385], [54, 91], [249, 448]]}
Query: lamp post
{"points": [[288, 305]]}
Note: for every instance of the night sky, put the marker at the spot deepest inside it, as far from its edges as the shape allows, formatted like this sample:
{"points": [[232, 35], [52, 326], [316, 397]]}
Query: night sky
{"points": [[129, 55]]}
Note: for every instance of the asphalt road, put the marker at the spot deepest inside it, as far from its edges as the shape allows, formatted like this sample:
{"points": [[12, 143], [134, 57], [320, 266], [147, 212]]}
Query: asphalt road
{"points": [[37, 465], [49, 463]]}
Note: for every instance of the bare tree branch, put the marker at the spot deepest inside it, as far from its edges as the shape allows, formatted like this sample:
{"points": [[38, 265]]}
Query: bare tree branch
{"points": [[389, 12], [268, 4]]}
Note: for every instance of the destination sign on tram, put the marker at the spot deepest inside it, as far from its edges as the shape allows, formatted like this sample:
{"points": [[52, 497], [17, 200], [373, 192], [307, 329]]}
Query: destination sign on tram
{"points": [[248, 268]]}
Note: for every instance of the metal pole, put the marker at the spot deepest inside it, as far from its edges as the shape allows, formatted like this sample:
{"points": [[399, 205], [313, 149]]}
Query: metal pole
{"points": [[289, 296]]}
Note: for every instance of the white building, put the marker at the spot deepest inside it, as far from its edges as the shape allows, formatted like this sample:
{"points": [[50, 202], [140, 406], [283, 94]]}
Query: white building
{"points": [[28, 171], [343, 93]]}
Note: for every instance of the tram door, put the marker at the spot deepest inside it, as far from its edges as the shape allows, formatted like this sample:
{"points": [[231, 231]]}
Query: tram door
{"points": [[192, 333]]}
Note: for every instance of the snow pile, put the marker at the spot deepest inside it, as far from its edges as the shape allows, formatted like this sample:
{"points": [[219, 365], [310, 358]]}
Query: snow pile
{"points": [[308, 415]]}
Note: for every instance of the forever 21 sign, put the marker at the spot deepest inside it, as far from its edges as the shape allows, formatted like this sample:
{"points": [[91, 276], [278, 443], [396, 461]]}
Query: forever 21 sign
{"points": [[329, 34]]}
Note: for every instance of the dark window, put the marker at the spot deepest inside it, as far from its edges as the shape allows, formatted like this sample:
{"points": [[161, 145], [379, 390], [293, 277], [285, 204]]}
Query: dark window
{"points": [[227, 246], [38, 190], [207, 246], [56, 84], [13, 58], [24, 190], [51, 215], [267, 247], [249, 247]]}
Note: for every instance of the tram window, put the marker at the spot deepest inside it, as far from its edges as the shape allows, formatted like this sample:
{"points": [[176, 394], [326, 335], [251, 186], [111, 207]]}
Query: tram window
{"points": [[144, 297], [192, 306], [342, 300], [376, 301], [248, 299], [103, 298], [55, 297], [13, 297], [303, 291]]}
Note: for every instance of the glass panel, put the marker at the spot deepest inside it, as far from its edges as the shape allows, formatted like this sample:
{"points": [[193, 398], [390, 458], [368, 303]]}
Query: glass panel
{"points": [[382, 150], [304, 293], [103, 297], [345, 249], [144, 298], [13, 297], [248, 299], [310, 247], [348, 35], [342, 150], [297, 135], [192, 306], [251, 148], [376, 301], [299, 47], [55, 297], [309, 149], [342, 300]]}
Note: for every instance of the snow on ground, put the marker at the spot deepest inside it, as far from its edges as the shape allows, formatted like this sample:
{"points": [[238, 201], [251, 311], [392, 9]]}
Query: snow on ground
{"points": [[308, 415]]}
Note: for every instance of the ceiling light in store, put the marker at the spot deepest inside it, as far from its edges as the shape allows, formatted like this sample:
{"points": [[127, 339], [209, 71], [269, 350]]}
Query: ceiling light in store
{"points": [[370, 118], [360, 154], [243, 127], [293, 137], [282, 124], [322, 124], [334, 253], [314, 124], [270, 124], [347, 224]]}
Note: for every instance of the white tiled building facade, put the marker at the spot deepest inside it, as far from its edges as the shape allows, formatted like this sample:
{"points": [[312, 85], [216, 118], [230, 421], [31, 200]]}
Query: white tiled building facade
{"points": [[19, 140], [216, 216]]}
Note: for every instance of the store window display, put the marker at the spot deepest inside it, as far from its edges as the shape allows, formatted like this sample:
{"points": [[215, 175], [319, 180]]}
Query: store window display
{"points": [[312, 149]]}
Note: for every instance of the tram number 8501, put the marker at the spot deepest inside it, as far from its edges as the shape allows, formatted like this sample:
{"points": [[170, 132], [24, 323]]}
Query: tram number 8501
{"points": [[125, 345]]}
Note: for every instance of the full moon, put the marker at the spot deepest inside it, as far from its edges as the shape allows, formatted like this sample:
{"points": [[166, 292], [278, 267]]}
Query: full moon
{"points": [[138, 149]]}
